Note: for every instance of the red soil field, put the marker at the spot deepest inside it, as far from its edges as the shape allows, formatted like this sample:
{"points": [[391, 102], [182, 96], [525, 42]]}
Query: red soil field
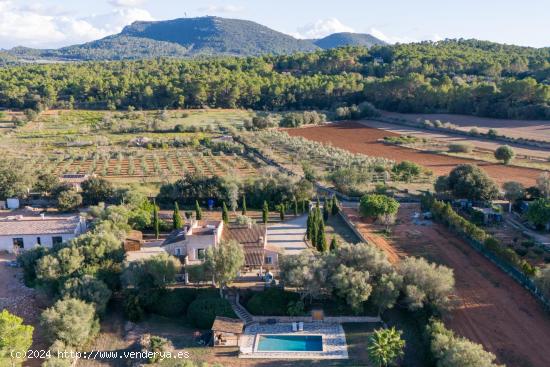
{"points": [[491, 308], [358, 138]]}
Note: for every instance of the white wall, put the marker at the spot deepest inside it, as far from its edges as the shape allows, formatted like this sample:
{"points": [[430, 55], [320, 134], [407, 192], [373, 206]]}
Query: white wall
{"points": [[6, 242]]}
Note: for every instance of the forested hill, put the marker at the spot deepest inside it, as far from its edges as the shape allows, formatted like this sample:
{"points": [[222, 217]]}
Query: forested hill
{"points": [[461, 76], [189, 37], [348, 39]]}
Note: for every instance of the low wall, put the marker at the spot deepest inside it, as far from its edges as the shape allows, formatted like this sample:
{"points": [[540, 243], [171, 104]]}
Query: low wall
{"points": [[329, 319], [352, 227]]}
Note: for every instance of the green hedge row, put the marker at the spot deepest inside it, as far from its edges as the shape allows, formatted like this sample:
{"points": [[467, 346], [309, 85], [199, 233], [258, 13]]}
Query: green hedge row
{"points": [[444, 213]]}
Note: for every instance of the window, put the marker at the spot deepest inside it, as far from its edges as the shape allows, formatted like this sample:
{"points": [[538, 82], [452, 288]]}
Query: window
{"points": [[18, 243], [201, 253], [38, 241], [268, 260], [57, 240], [178, 252]]}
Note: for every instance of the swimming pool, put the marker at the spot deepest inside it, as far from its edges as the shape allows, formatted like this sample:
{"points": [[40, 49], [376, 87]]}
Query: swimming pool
{"points": [[290, 343]]}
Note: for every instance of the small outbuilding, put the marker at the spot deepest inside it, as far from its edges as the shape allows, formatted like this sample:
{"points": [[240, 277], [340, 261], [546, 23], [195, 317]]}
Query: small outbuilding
{"points": [[226, 331]]}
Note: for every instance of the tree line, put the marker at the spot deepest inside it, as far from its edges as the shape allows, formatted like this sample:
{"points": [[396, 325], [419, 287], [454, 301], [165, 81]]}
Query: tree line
{"points": [[469, 77]]}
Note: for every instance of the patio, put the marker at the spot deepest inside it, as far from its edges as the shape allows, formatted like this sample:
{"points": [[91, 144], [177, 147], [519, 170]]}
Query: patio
{"points": [[334, 341]]}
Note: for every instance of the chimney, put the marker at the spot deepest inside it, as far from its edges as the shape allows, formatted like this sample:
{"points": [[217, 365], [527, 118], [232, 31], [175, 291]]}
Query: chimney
{"points": [[43, 216]]}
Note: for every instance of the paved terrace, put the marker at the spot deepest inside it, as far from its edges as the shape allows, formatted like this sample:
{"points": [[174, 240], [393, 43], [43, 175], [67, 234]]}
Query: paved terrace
{"points": [[334, 341], [289, 235]]}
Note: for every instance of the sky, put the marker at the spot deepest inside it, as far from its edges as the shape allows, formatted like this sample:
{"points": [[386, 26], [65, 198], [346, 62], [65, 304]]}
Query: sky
{"points": [[56, 23]]}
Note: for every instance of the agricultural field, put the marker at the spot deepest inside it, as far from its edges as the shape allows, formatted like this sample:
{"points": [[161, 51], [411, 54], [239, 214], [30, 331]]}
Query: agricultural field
{"points": [[527, 129], [491, 308], [483, 149], [358, 138], [120, 146]]}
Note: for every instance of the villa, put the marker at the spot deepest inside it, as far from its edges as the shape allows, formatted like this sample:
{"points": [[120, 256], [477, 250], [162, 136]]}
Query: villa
{"points": [[191, 242]]}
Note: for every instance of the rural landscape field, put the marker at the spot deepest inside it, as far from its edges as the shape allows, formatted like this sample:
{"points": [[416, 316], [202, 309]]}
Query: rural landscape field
{"points": [[210, 191]]}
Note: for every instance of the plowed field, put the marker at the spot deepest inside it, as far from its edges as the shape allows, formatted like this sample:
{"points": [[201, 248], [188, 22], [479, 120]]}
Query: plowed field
{"points": [[358, 138], [492, 309]]}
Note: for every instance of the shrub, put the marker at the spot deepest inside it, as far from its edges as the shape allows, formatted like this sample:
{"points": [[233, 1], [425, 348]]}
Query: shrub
{"points": [[172, 302], [271, 302], [71, 321], [202, 311], [377, 205], [14, 337], [407, 171], [460, 148], [68, 200]]}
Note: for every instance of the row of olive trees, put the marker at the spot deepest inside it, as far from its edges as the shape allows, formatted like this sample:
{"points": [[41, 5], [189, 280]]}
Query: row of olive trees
{"points": [[361, 273]]}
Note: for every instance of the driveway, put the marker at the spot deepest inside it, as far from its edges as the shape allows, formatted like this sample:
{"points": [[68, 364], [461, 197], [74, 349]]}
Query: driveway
{"points": [[289, 235]]}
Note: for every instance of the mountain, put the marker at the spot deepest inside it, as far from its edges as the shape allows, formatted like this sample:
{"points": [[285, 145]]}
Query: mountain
{"points": [[348, 39], [190, 37]]}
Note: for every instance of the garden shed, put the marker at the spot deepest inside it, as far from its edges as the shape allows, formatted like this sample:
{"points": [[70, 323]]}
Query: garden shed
{"points": [[226, 331]]}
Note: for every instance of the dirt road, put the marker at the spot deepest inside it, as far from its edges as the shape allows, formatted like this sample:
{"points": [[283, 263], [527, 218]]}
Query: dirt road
{"points": [[358, 138], [492, 309]]}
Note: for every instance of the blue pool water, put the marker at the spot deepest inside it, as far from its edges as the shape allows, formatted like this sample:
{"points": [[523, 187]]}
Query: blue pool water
{"points": [[292, 343]]}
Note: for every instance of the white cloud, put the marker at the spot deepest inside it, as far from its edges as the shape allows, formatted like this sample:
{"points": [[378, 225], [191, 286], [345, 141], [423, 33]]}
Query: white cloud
{"points": [[33, 27], [322, 28], [399, 39], [126, 3], [220, 9]]}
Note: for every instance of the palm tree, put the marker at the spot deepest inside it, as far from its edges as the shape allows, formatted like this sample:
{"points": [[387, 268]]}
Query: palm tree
{"points": [[385, 346]]}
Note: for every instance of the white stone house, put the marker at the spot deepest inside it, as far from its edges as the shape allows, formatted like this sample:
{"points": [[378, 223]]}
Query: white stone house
{"points": [[19, 232], [191, 242]]}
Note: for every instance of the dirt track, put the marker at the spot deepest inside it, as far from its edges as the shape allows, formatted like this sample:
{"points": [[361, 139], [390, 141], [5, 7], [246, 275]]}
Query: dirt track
{"points": [[358, 138], [529, 129], [492, 309]]}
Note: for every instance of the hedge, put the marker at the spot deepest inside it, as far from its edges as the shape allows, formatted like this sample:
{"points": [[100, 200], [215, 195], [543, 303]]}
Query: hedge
{"points": [[202, 311], [271, 302], [444, 213]]}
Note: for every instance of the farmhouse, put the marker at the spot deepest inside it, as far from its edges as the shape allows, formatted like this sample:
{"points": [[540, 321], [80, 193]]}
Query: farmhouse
{"points": [[191, 242], [23, 232]]}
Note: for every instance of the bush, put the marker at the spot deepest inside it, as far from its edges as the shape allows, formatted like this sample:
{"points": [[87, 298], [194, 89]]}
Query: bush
{"points": [[88, 289], [71, 321], [172, 302], [271, 302], [460, 148], [202, 311], [68, 200], [377, 205]]}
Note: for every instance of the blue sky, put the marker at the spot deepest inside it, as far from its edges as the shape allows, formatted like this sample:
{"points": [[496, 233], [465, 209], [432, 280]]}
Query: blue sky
{"points": [[54, 23]]}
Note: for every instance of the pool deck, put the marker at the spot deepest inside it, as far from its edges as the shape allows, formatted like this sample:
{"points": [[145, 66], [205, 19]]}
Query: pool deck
{"points": [[334, 341]]}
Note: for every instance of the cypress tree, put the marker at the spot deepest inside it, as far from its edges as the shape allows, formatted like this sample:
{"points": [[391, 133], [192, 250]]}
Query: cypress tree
{"points": [[244, 205], [303, 206], [156, 224], [198, 210], [177, 221], [323, 244], [325, 211], [308, 226], [333, 244], [295, 207], [265, 212], [320, 236], [335, 208], [225, 213], [282, 212]]}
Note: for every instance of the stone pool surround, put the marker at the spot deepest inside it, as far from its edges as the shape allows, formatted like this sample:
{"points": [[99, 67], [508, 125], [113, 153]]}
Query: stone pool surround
{"points": [[334, 341]]}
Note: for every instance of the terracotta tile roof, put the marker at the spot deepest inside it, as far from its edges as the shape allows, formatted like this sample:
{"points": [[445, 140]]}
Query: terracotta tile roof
{"points": [[254, 256], [227, 325], [13, 226], [246, 236]]}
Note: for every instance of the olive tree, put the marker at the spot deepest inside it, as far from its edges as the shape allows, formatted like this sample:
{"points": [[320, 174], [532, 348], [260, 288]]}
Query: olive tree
{"points": [[543, 184], [513, 191], [379, 206], [155, 272], [68, 200], [467, 181], [71, 321], [426, 284], [306, 272], [88, 289], [225, 261], [450, 350], [505, 154], [352, 285]]}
